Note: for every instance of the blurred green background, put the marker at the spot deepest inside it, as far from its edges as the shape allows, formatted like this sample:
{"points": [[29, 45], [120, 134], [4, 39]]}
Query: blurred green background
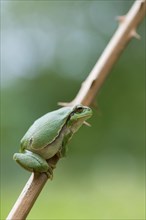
{"points": [[48, 48]]}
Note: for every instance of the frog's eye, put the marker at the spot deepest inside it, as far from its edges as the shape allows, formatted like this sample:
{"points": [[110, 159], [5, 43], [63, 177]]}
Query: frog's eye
{"points": [[79, 110]]}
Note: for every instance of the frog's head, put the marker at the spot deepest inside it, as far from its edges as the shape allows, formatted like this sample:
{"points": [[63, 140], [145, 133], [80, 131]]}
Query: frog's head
{"points": [[78, 115]]}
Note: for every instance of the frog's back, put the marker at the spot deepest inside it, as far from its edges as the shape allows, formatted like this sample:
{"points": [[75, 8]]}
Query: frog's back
{"points": [[45, 129]]}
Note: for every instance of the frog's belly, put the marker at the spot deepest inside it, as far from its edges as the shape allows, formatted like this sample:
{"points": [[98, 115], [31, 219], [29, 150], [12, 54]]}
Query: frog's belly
{"points": [[51, 149]]}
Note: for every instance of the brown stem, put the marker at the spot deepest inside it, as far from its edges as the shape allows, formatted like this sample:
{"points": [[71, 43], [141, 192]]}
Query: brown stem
{"points": [[127, 29], [28, 196], [86, 95], [30, 193]]}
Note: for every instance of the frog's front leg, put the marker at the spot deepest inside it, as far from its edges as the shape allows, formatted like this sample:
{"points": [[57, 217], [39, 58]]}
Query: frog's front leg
{"points": [[64, 148], [33, 162]]}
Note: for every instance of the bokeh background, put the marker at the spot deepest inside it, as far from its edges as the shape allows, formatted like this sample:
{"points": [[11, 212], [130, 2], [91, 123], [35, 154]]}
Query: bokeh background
{"points": [[48, 48]]}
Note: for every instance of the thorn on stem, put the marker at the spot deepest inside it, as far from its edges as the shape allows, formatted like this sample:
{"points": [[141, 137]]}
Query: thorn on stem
{"points": [[120, 19], [86, 123], [63, 103], [135, 34]]}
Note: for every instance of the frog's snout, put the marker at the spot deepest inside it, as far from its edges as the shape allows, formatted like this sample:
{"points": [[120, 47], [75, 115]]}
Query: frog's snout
{"points": [[89, 111]]}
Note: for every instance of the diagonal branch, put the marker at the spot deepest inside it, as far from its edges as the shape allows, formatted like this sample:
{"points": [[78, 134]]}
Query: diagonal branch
{"points": [[89, 89], [125, 32]]}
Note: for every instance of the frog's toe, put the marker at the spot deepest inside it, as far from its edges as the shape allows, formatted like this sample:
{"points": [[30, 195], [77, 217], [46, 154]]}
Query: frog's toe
{"points": [[50, 173]]}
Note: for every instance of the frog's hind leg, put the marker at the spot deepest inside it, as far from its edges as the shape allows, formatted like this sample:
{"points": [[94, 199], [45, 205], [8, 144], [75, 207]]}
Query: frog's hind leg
{"points": [[33, 162]]}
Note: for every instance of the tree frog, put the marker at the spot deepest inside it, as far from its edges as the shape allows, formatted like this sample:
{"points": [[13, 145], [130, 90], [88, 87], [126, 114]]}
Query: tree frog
{"points": [[49, 136]]}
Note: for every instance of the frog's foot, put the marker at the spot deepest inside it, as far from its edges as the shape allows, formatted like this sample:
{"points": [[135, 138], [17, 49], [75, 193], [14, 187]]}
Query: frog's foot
{"points": [[33, 163], [53, 161], [49, 172]]}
